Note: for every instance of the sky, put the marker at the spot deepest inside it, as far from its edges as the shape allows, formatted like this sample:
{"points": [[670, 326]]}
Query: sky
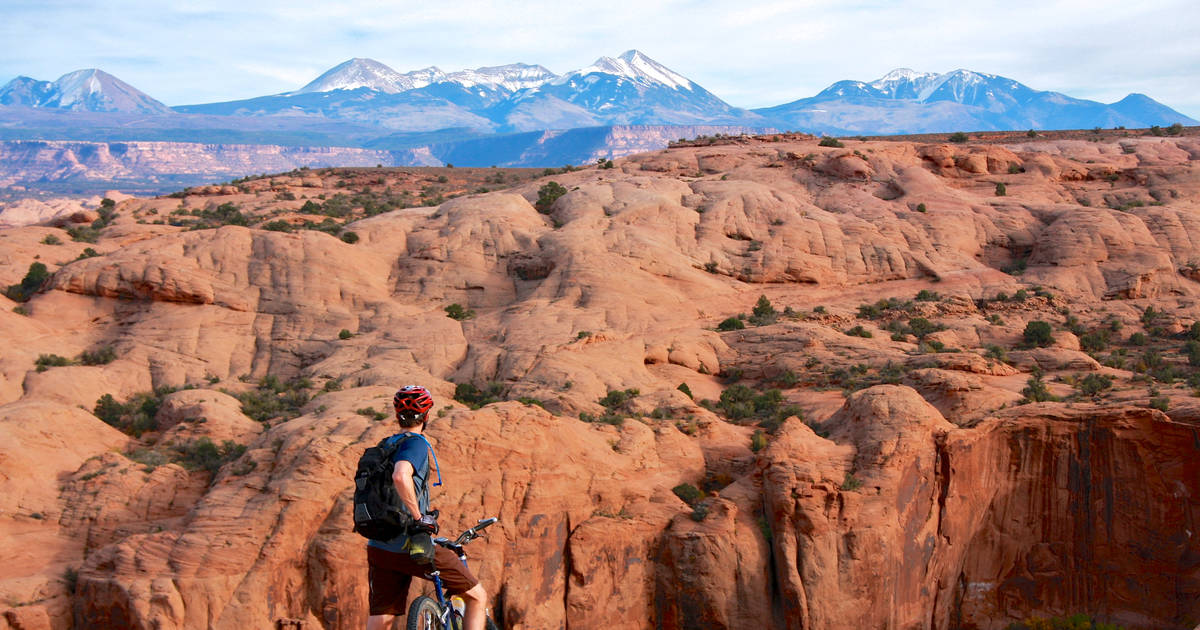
{"points": [[751, 53]]}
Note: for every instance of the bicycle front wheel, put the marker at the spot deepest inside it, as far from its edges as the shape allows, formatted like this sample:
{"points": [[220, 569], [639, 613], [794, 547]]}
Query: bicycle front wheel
{"points": [[424, 614]]}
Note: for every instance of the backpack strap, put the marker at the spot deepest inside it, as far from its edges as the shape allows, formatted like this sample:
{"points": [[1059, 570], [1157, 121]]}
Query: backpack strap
{"points": [[404, 437]]}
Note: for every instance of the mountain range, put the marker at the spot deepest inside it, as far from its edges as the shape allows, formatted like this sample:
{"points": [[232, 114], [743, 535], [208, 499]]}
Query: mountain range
{"points": [[498, 114]]}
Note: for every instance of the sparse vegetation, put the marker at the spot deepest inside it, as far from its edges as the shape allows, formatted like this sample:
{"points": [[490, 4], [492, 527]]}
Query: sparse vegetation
{"points": [[731, 323], [474, 397], [741, 403], [547, 195], [35, 278], [135, 416], [831, 142], [1038, 334], [958, 137], [851, 483], [457, 312], [1001, 189], [274, 399]]}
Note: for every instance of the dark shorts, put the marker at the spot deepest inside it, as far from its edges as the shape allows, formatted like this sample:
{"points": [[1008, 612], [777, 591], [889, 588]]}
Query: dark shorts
{"points": [[390, 574]]}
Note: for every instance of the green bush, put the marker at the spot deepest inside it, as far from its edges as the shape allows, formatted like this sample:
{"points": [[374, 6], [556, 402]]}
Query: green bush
{"points": [[859, 331], [47, 361], [100, 356], [203, 454], [474, 397], [688, 493], [1038, 334], [1138, 339], [921, 208], [731, 323], [683, 387], [51, 239], [83, 234], [1001, 189], [1036, 390], [547, 195], [920, 327], [925, 295], [274, 399], [456, 311], [349, 237], [851, 483], [831, 142], [1031, 134], [958, 137], [224, 214], [345, 334], [763, 313], [1093, 384], [758, 441], [617, 398], [35, 278], [134, 416], [371, 413]]}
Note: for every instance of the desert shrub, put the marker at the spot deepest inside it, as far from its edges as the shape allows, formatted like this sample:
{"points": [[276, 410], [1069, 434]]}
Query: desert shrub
{"points": [[731, 323], [345, 334], [35, 278], [763, 313], [859, 331], [224, 214], [373, 414], [83, 234], [830, 142], [996, 352], [1161, 403], [136, 415], [1001, 189], [925, 295], [683, 387], [51, 239], [920, 327], [474, 397], [456, 311], [617, 398], [758, 441], [1175, 129], [274, 399], [1094, 341], [958, 137], [688, 493], [881, 307], [100, 356], [921, 208], [741, 403], [278, 226], [349, 237], [547, 195], [1038, 334], [203, 454], [1036, 391], [851, 483], [1093, 384], [47, 361], [1138, 339], [1031, 134]]}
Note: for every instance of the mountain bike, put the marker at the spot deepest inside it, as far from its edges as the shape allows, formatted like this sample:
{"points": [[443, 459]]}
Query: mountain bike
{"points": [[428, 613]]}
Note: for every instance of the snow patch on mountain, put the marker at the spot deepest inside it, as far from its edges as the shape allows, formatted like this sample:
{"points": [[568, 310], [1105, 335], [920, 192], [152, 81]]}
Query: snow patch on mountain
{"points": [[512, 77], [367, 73], [637, 67]]}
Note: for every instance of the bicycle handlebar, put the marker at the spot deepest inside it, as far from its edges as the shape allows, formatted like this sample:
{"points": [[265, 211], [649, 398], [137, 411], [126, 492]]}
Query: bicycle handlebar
{"points": [[469, 535]]}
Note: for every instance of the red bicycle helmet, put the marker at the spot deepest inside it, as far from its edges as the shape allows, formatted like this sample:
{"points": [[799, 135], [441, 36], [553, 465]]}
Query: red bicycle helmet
{"points": [[412, 400]]}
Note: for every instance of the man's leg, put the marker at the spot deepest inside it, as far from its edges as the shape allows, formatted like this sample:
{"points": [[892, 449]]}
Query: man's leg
{"points": [[380, 622], [476, 608]]}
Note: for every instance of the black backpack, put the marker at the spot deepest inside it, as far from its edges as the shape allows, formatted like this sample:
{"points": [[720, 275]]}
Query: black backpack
{"points": [[378, 512]]}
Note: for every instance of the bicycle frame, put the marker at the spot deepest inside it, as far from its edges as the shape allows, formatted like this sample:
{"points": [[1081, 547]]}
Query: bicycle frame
{"points": [[436, 576]]}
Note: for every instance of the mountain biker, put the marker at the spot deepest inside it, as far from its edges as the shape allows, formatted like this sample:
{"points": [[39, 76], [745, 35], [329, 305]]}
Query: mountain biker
{"points": [[389, 567]]}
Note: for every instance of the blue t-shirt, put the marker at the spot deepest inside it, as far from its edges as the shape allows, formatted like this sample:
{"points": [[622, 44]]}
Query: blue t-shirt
{"points": [[414, 450]]}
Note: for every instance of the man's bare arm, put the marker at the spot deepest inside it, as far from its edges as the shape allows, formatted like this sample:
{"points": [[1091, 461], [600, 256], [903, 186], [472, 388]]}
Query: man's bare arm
{"points": [[402, 477]]}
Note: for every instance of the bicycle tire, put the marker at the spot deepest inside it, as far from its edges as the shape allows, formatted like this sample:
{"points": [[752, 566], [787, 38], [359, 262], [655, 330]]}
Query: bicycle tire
{"points": [[456, 622], [424, 614]]}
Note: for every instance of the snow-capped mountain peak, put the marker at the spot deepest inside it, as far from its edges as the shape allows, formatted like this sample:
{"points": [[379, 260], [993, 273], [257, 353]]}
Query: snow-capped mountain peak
{"points": [[511, 77], [357, 73], [82, 90], [637, 67]]}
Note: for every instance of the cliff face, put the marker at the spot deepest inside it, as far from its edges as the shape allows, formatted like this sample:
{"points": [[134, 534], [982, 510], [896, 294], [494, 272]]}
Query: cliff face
{"points": [[863, 462], [52, 160]]}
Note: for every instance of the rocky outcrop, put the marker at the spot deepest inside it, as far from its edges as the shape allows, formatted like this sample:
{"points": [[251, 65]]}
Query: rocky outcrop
{"points": [[889, 482]]}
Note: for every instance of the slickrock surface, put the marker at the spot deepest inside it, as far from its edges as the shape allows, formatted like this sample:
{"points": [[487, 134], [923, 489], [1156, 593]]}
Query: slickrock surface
{"points": [[869, 436]]}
